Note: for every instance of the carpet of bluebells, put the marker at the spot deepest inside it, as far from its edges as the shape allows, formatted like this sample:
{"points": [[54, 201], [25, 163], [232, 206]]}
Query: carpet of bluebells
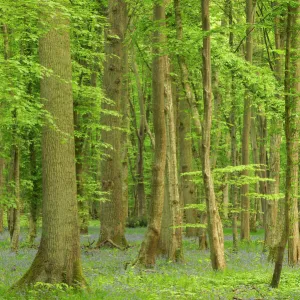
{"points": [[111, 276]]}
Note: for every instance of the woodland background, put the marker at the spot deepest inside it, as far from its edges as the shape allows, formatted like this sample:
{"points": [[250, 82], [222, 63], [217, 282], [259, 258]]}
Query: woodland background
{"points": [[177, 116]]}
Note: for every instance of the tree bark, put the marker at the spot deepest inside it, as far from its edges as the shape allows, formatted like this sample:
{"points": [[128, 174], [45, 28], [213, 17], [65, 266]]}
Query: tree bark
{"points": [[140, 205], [171, 232], [58, 258], [215, 229], [186, 155], [245, 201], [112, 213], [34, 201], [273, 236], [292, 75], [149, 248], [292, 126]]}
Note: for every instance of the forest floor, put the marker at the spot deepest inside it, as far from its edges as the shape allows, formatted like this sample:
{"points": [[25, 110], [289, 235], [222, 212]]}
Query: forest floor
{"points": [[110, 275]]}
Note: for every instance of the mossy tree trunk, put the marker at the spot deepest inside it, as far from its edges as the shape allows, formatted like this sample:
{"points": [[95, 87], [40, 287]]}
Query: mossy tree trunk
{"points": [[292, 127]]}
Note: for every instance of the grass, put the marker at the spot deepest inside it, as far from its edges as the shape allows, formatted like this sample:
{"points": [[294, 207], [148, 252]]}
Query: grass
{"points": [[247, 276]]}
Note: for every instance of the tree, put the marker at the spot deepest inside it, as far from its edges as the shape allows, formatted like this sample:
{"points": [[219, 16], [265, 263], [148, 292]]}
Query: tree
{"points": [[292, 106], [185, 144], [149, 247], [171, 232], [112, 216], [245, 201], [274, 224], [215, 229], [58, 258]]}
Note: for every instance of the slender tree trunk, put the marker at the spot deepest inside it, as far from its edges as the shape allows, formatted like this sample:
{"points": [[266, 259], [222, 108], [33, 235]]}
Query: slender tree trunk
{"points": [[255, 215], [2, 187], [112, 214], [140, 205], [215, 229], [292, 73], [216, 119], [275, 225], [34, 201], [171, 235], [149, 246], [292, 127], [14, 212], [58, 258], [188, 187], [233, 138], [245, 201], [125, 120], [262, 141], [82, 203]]}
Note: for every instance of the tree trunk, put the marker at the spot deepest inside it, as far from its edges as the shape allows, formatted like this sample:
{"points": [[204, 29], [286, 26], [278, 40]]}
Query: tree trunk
{"points": [[215, 229], [292, 126], [149, 246], [34, 201], [112, 214], [256, 214], [140, 205], [125, 120], [58, 258], [188, 189], [245, 201], [273, 236], [2, 187], [186, 155], [171, 233], [292, 72]]}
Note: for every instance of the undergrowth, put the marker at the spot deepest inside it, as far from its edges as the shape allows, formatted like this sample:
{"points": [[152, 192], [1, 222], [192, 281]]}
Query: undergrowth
{"points": [[110, 275]]}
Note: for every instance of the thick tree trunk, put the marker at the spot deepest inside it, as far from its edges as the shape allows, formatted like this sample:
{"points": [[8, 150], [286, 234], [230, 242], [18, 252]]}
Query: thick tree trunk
{"points": [[149, 246], [245, 201], [58, 258], [112, 213], [215, 229]]}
